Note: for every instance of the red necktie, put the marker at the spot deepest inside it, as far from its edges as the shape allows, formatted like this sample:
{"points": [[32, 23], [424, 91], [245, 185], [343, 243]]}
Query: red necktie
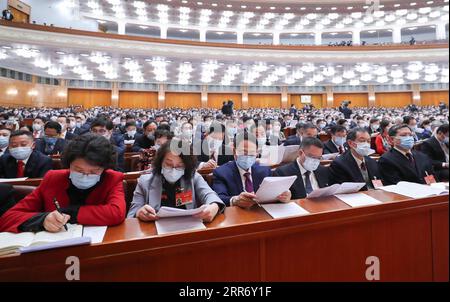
{"points": [[248, 183], [20, 168]]}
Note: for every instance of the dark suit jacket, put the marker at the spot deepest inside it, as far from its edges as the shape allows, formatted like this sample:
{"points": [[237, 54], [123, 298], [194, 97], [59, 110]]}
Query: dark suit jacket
{"points": [[432, 148], [7, 200], [298, 188], [227, 180], [346, 111], [329, 147], [37, 166], [142, 142], [70, 136], [82, 130], [395, 167], [292, 140], [345, 169], [225, 154], [59, 146]]}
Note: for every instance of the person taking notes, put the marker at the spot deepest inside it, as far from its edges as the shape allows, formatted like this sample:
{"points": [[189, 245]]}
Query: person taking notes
{"points": [[88, 191]]}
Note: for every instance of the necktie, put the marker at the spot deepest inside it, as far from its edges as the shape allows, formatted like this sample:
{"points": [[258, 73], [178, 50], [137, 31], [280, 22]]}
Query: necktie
{"points": [[410, 157], [363, 166], [20, 168], [341, 150], [308, 186], [248, 183]]}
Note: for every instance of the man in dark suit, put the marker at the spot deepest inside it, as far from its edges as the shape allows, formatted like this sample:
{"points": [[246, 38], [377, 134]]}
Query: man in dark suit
{"points": [[303, 130], [345, 110], [437, 149], [51, 143], [337, 143], [148, 139], [355, 165], [131, 133], [401, 163], [7, 15], [213, 151], [236, 181], [7, 200], [310, 174], [22, 160]]}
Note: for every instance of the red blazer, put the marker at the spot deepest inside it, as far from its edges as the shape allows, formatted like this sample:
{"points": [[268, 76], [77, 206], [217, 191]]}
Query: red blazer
{"points": [[379, 144], [105, 205]]}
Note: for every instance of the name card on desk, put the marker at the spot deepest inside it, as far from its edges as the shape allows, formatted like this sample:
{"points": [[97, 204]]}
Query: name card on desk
{"points": [[358, 199]]}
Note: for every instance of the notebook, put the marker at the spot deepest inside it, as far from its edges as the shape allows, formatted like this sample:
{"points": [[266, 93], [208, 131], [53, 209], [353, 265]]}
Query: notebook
{"points": [[11, 243]]}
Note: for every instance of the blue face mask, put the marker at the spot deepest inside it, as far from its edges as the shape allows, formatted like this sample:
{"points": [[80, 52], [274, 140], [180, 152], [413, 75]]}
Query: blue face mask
{"points": [[21, 153], [82, 181], [4, 141], [407, 142], [446, 140], [245, 162], [50, 140], [340, 141]]}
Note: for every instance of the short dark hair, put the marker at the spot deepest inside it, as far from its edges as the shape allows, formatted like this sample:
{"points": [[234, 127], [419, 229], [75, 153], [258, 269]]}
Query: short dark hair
{"points": [[148, 123], [20, 133], [163, 127], [337, 128], [216, 127], [442, 129], [394, 129], [95, 149], [384, 124], [373, 120], [53, 125], [102, 122], [133, 124], [309, 126], [161, 133], [352, 134], [311, 141], [407, 119], [186, 154], [243, 136]]}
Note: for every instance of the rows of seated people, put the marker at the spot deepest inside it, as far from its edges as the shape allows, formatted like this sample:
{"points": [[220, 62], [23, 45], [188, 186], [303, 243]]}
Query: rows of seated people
{"points": [[174, 146]]}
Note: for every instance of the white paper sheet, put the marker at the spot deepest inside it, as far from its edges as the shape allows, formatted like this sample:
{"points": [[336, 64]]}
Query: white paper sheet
{"points": [[344, 188], [282, 210], [272, 187], [165, 212], [57, 244], [274, 155], [358, 199], [178, 224], [413, 190], [96, 233], [12, 179], [329, 156]]}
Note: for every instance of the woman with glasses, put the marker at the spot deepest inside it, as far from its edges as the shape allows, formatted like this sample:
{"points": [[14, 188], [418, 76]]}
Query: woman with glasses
{"points": [[174, 183]]}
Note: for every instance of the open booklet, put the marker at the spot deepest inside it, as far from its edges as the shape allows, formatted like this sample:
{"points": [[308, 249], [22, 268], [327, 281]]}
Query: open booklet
{"points": [[11, 243], [415, 190], [344, 188], [274, 155]]}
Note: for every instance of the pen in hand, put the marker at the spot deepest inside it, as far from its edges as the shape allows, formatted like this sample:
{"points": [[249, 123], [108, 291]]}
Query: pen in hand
{"points": [[58, 208]]}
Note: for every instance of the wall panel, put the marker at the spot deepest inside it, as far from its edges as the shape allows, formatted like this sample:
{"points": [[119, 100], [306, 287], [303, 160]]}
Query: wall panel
{"points": [[430, 98], [264, 100], [89, 98], [138, 99], [318, 100], [183, 100], [393, 99], [357, 99]]}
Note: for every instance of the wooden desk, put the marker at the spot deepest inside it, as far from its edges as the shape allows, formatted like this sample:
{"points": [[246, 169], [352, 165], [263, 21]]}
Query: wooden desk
{"points": [[410, 237]]}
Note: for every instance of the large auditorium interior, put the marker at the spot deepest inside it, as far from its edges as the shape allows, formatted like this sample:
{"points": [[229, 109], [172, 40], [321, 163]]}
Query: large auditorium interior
{"points": [[205, 143]]}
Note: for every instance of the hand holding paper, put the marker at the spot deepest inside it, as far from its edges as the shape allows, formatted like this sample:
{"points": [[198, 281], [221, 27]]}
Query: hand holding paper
{"points": [[272, 187]]}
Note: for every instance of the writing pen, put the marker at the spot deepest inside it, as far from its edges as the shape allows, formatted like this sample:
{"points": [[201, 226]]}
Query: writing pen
{"points": [[58, 208]]}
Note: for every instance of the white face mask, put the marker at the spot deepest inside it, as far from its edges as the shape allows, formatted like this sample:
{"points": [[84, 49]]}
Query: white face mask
{"points": [[172, 175], [311, 164], [131, 133]]}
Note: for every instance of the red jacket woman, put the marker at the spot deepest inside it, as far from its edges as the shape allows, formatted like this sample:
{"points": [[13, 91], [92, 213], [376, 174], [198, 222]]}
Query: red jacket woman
{"points": [[88, 193]]}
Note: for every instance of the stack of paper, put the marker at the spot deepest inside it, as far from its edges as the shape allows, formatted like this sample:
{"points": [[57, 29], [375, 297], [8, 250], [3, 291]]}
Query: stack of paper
{"points": [[282, 210], [96, 233], [344, 188], [274, 155], [272, 187], [414, 190], [8, 180], [178, 224], [165, 212], [358, 199]]}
